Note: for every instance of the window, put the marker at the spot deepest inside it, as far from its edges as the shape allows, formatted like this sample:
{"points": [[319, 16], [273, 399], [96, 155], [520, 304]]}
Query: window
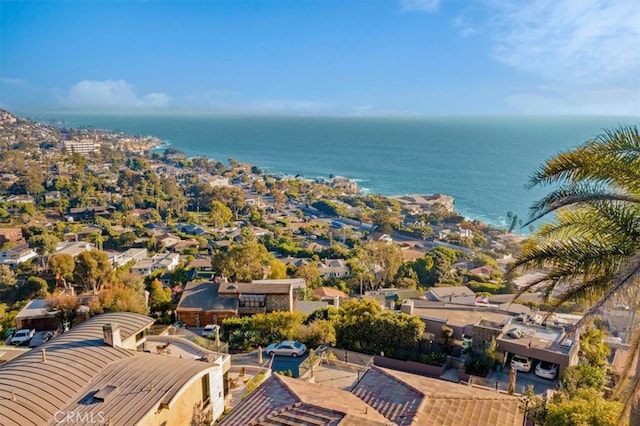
{"points": [[206, 389], [252, 300]]}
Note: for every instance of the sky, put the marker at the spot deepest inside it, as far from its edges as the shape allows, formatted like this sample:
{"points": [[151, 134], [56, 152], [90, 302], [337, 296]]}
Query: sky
{"points": [[322, 57]]}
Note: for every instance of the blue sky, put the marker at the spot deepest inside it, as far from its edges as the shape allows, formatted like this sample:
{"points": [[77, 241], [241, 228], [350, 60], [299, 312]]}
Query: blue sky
{"points": [[322, 57]]}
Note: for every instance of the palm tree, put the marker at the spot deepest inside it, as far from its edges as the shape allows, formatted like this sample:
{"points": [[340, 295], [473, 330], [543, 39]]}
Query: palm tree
{"points": [[591, 246]]}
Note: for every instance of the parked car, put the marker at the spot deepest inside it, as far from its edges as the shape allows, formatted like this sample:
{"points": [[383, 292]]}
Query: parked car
{"points": [[209, 330], [22, 336], [287, 348], [521, 363], [546, 370]]}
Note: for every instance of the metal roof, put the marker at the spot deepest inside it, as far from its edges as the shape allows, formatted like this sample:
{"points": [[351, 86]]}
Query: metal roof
{"points": [[31, 391], [127, 390]]}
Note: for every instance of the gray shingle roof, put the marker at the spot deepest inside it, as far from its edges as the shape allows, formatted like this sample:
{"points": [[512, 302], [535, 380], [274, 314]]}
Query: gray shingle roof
{"points": [[205, 297]]}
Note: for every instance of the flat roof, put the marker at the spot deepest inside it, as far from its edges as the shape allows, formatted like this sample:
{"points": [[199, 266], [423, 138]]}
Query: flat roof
{"points": [[37, 308], [460, 315]]}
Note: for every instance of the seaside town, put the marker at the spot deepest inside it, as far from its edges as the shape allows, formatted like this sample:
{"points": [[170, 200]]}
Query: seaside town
{"points": [[142, 287]]}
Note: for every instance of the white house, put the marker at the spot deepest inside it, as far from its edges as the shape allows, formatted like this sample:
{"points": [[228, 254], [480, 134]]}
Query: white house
{"points": [[17, 255], [167, 261]]}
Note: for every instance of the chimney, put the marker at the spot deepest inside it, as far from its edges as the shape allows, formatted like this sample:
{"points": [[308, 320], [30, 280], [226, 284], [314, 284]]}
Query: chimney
{"points": [[111, 333], [407, 307], [44, 355]]}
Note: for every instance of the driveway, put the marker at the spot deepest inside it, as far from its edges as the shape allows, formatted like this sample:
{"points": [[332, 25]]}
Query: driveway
{"points": [[280, 363]]}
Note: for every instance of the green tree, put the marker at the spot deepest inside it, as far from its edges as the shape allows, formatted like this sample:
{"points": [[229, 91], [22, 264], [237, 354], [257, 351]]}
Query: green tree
{"points": [[7, 277], [311, 274], [591, 247], [159, 297], [594, 350], [93, 270], [585, 408], [220, 214], [34, 287], [44, 244], [62, 265], [447, 339], [278, 270]]}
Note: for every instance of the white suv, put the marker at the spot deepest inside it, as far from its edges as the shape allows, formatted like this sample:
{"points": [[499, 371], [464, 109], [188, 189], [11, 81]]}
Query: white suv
{"points": [[22, 337], [210, 330]]}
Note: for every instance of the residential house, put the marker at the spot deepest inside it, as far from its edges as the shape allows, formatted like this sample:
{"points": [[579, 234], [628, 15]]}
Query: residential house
{"points": [[211, 302], [450, 293], [21, 199], [330, 295], [334, 268], [381, 397], [51, 196], [201, 304], [11, 235], [146, 266], [17, 255], [201, 264], [73, 248], [98, 373], [483, 271]]}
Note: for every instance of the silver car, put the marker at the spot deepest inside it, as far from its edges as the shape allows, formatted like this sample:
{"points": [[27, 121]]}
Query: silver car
{"points": [[287, 348]]}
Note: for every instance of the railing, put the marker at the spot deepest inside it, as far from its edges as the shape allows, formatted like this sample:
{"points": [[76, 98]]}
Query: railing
{"points": [[326, 353], [205, 342]]}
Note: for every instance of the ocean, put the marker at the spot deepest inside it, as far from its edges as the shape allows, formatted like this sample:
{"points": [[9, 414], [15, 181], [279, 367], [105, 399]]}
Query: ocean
{"points": [[484, 162]]}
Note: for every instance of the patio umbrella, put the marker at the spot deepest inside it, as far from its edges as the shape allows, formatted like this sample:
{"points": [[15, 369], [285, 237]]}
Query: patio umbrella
{"points": [[512, 381]]}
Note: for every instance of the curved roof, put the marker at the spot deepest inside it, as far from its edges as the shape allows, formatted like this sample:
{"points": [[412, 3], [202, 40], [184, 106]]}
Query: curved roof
{"points": [[134, 388], [31, 391]]}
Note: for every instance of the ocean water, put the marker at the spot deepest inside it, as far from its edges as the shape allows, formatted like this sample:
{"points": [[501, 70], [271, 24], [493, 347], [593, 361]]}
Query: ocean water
{"points": [[484, 162]]}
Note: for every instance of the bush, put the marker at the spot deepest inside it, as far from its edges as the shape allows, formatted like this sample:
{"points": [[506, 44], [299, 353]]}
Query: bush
{"points": [[434, 358]]}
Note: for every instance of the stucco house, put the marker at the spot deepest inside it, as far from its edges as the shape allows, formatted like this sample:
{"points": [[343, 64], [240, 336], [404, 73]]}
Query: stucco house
{"points": [[98, 373]]}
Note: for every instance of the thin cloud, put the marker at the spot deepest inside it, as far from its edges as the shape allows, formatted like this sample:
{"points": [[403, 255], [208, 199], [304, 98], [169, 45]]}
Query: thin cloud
{"points": [[585, 42], [617, 101], [17, 82], [110, 94], [427, 6]]}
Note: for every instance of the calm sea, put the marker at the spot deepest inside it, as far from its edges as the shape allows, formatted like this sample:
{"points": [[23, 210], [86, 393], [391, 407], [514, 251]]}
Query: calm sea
{"points": [[484, 162]]}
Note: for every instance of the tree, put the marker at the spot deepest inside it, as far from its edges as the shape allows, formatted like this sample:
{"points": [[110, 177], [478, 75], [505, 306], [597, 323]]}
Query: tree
{"points": [[278, 270], [35, 287], [7, 277], [591, 248], [93, 270], [220, 214], [243, 262], [119, 298], [311, 274], [62, 266], [585, 408], [44, 244], [447, 339], [159, 297]]}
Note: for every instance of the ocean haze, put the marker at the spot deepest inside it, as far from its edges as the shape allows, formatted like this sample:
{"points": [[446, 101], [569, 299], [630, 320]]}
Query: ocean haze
{"points": [[484, 162]]}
